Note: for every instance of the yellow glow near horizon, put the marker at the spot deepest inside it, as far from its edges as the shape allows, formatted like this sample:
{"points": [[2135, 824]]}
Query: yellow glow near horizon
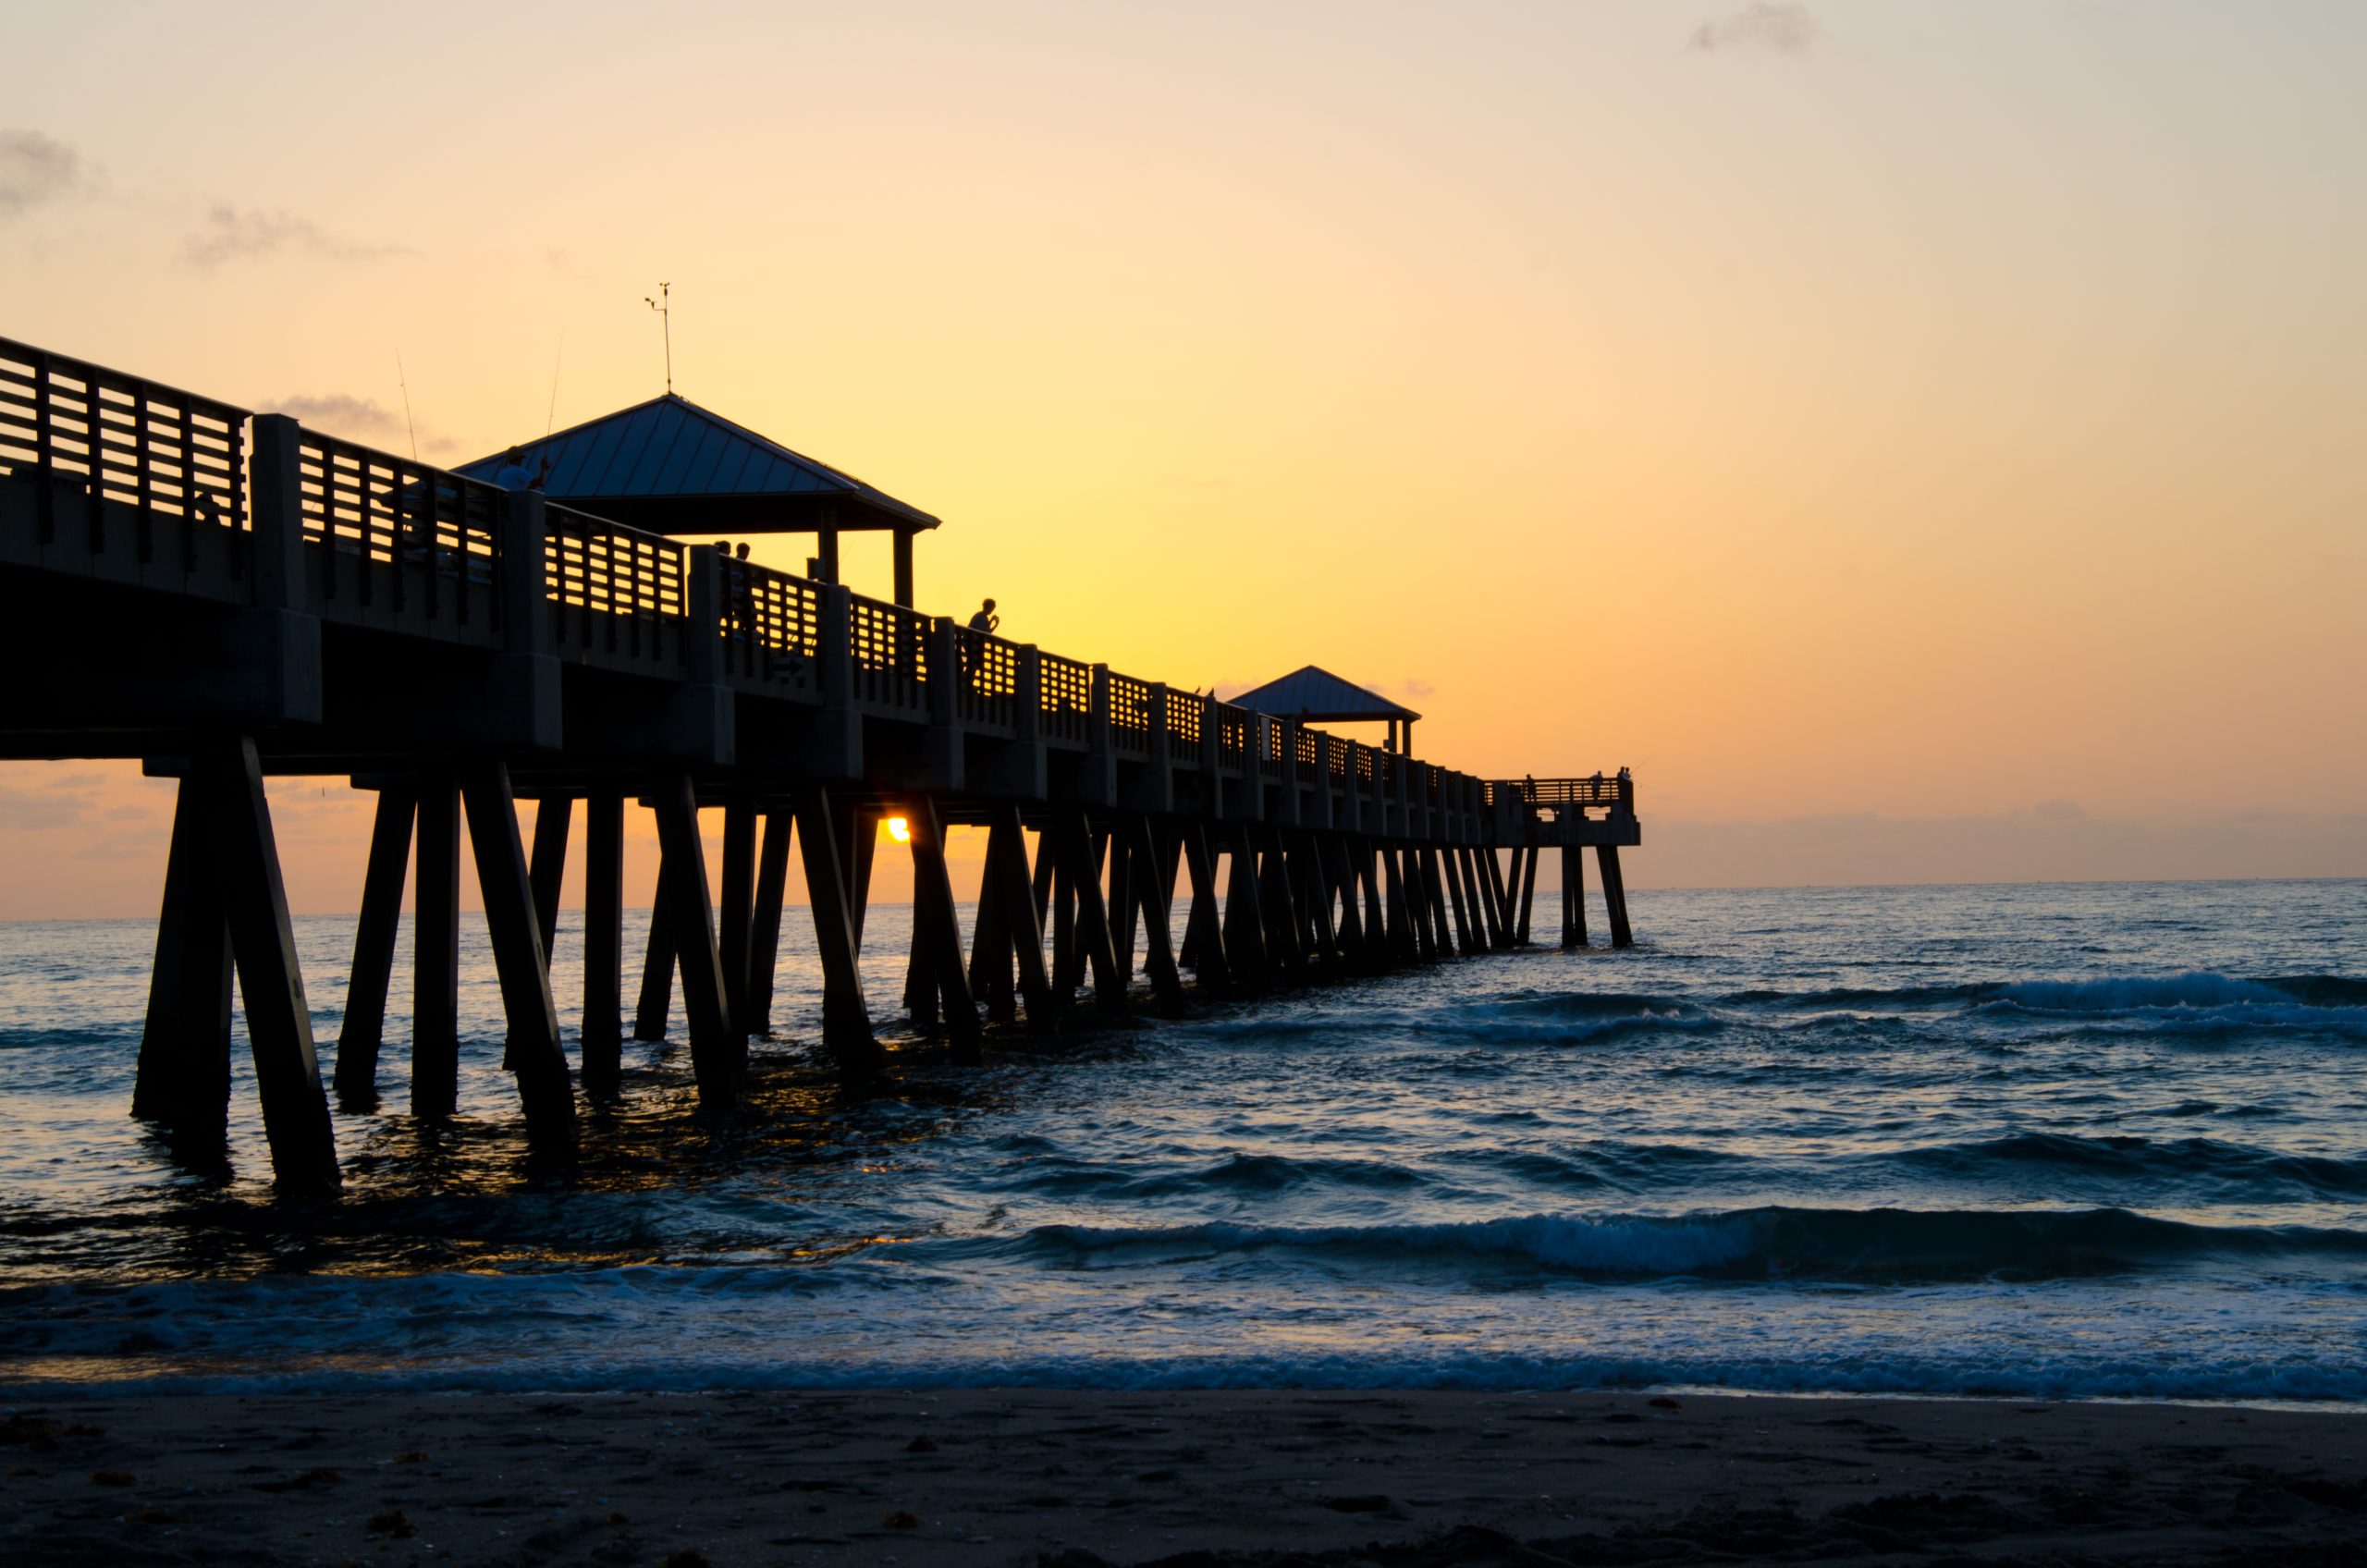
{"points": [[899, 830]]}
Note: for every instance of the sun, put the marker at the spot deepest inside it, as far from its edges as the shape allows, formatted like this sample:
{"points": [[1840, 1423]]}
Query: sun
{"points": [[899, 830]]}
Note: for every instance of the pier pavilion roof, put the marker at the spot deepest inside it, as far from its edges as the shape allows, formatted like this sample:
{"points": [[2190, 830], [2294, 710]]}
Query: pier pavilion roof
{"points": [[672, 467], [1313, 693]]}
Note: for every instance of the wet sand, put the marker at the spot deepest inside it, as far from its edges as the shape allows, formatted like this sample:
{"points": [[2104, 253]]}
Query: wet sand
{"points": [[1077, 1477]]}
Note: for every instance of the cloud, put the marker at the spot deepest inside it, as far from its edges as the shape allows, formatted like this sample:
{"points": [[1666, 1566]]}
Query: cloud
{"points": [[2059, 811], [61, 803], [361, 419], [34, 169], [1763, 24], [1413, 686], [340, 413], [230, 235]]}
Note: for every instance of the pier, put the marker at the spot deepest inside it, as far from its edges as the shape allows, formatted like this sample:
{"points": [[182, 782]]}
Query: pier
{"points": [[228, 595]]}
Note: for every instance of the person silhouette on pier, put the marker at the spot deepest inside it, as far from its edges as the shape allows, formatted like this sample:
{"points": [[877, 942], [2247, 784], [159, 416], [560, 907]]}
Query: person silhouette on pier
{"points": [[514, 474], [986, 621], [739, 582]]}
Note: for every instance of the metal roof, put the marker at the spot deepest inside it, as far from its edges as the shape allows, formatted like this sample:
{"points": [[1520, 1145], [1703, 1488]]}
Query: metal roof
{"points": [[1311, 692], [671, 450]]}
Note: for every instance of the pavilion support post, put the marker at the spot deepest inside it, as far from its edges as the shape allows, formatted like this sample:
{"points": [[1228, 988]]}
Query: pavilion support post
{"points": [[658, 966], [1244, 927], [936, 925], [279, 1022], [1070, 838], [1527, 891], [435, 950], [1204, 935], [1615, 894], [184, 1073], [903, 569], [1573, 896], [604, 943], [1151, 892], [719, 1050], [846, 1020], [553, 816], [735, 919], [764, 931], [373, 946], [507, 883], [1012, 887]]}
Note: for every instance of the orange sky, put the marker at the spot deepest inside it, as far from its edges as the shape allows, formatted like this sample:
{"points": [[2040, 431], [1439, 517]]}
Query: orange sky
{"points": [[1925, 411]]}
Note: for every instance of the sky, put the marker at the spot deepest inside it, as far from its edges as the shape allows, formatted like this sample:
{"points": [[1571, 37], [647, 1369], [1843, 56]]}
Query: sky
{"points": [[1921, 439]]}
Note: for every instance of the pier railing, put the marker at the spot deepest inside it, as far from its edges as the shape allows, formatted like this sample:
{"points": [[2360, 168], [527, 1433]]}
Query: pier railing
{"points": [[160, 451], [391, 543], [615, 593]]}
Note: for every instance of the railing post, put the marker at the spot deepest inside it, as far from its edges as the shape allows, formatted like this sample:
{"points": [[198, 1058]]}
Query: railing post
{"points": [[1156, 790], [702, 617], [525, 599], [1319, 814], [1100, 783], [1211, 780], [1023, 770], [1286, 810], [834, 742], [945, 759], [277, 513], [1254, 741], [1027, 697]]}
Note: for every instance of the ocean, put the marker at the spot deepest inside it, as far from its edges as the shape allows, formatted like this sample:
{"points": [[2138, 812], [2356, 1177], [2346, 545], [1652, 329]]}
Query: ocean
{"points": [[2045, 1142]]}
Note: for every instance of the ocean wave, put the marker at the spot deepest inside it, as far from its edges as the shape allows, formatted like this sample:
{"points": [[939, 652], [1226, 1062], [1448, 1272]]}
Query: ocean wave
{"points": [[2199, 999], [1768, 1243], [2133, 1157]]}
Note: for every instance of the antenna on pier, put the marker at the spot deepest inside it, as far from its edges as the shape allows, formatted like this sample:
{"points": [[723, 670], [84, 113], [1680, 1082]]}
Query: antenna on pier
{"points": [[663, 305], [403, 383], [550, 419]]}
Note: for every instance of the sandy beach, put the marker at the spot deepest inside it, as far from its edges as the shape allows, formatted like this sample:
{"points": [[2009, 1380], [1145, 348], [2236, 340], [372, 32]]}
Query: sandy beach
{"points": [[1072, 1477]]}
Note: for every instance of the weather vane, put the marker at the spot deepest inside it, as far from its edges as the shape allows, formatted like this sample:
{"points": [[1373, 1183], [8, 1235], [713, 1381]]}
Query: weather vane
{"points": [[663, 305]]}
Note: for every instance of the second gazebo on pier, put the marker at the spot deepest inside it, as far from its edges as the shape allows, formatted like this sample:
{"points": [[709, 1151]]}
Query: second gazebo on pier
{"points": [[1317, 696]]}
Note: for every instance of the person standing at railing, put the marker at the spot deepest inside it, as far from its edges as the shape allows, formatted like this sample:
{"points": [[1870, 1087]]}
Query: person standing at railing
{"points": [[740, 599], [514, 474], [973, 647]]}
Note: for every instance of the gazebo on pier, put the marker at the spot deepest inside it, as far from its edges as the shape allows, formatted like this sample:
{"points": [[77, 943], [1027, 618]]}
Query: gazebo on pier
{"points": [[1319, 696], [671, 467]]}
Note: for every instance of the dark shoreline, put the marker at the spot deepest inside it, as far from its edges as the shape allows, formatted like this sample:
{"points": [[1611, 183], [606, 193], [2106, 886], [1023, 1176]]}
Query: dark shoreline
{"points": [[1399, 1479]]}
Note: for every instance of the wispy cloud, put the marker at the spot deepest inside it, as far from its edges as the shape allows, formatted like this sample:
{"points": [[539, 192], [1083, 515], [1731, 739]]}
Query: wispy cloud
{"points": [[230, 234], [35, 168], [359, 419], [1780, 29], [340, 413], [62, 803]]}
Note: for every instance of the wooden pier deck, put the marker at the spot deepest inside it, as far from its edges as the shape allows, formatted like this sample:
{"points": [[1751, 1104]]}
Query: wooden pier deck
{"points": [[226, 594]]}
